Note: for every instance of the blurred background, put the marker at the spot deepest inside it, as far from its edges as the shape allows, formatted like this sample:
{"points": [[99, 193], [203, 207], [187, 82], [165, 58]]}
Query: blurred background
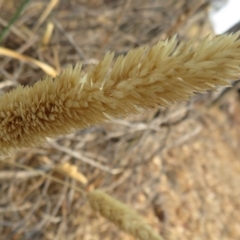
{"points": [[178, 167]]}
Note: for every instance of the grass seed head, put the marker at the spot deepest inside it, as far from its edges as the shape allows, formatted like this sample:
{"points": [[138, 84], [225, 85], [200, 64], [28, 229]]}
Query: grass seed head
{"points": [[164, 74], [122, 216]]}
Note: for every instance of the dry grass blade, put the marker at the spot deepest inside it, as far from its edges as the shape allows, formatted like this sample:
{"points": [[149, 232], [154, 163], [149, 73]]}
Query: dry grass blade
{"points": [[144, 78], [45, 67], [38, 172], [71, 171], [84, 158], [52, 4], [70, 39], [48, 34], [6, 175]]}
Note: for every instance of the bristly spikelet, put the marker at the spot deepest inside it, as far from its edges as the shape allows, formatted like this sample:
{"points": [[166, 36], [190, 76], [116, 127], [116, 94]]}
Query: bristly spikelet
{"points": [[122, 216], [144, 78]]}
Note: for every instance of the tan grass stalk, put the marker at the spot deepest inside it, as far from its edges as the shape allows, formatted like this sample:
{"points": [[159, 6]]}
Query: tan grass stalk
{"points": [[122, 216], [71, 170], [13, 54], [144, 78]]}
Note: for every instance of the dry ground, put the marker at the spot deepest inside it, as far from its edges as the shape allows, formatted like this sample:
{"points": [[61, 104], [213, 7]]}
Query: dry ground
{"points": [[178, 167]]}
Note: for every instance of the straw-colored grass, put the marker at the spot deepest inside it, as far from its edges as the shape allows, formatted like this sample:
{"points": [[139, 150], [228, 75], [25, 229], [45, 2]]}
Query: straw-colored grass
{"points": [[159, 76], [122, 216], [188, 187]]}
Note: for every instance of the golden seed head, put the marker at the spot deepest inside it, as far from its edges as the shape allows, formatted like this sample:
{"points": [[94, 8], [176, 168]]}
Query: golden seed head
{"points": [[159, 76]]}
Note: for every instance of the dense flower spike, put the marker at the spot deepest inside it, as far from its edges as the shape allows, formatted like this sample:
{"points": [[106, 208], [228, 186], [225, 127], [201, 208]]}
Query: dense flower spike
{"points": [[144, 78], [122, 216]]}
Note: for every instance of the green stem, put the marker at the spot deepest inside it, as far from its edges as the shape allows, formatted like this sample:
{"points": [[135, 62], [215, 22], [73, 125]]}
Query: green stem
{"points": [[13, 19]]}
